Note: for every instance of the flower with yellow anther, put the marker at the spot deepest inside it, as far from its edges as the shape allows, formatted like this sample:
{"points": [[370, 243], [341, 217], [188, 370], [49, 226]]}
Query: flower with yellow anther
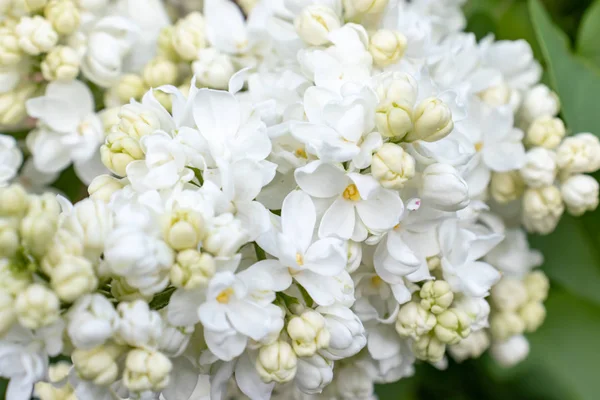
{"points": [[387, 47], [192, 269], [432, 120], [436, 296], [63, 15], [506, 186], [453, 325], [39, 225], [37, 306], [276, 362], [392, 166], [414, 321], [546, 131], [130, 86], [146, 370], [60, 64], [315, 22], [98, 365], [120, 150], [397, 97], [542, 209], [36, 35], [73, 277], [160, 71], [429, 348], [188, 36], [308, 333], [10, 52]]}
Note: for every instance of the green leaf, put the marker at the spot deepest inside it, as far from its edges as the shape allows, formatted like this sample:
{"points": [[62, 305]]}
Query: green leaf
{"points": [[575, 81], [589, 32]]}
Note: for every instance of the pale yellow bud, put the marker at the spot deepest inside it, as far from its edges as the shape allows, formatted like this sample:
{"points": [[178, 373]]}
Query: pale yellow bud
{"points": [[506, 186], [432, 121], [537, 286], [60, 64], [429, 348], [136, 121], [120, 150], [10, 52], [392, 166], [36, 35], [509, 294], [542, 209], [414, 321], [103, 187], [315, 22], [192, 269], [188, 36], [98, 365], [9, 237], [354, 9], [34, 5], [546, 132], [276, 362], [387, 47], [183, 229], [40, 223], [63, 15], [160, 71], [453, 325], [37, 306], [73, 277], [533, 315], [308, 333], [436, 296], [130, 86], [165, 43], [14, 201], [146, 370], [506, 324]]}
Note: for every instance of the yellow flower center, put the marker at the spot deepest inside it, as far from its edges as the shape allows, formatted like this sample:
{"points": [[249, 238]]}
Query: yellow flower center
{"points": [[478, 146], [301, 153], [376, 281], [351, 193], [224, 296], [299, 259]]}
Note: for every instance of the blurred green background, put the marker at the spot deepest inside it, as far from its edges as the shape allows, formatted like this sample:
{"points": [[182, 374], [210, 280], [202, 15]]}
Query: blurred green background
{"points": [[565, 353]]}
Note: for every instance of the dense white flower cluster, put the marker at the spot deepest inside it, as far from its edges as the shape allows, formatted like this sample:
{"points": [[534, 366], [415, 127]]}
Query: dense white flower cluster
{"points": [[300, 203]]}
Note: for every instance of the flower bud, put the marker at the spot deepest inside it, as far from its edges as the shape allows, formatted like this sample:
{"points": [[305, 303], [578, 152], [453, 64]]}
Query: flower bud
{"points": [[537, 286], [60, 64], [120, 150], [313, 374], [130, 86], [546, 132], [506, 186], [138, 325], [315, 22], [506, 324], [40, 223], [510, 352], [103, 187], [414, 321], [542, 209], [137, 121], [37, 306], [213, 68], [146, 370], [98, 365], [10, 52], [436, 296], [540, 168], [444, 188], [160, 71], [92, 321], [34, 5], [122, 291], [308, 333], [7, 312], [540, 101], [12, 103], [392, 166], [192, 269], [579, 153], [346, 331], [429, 348], [188, 36], [432, 121], [73, 277], [9, 237], [183, 229], [276, 362], [52, 390], [387, 47], [14, 201], [13, 280], [580, 194], [36, 35], [354, 9], [509, 294], [64, 243], [165, 43], [533, 315], [472, 346], [452, 326], [63, 15], [397, 97]]}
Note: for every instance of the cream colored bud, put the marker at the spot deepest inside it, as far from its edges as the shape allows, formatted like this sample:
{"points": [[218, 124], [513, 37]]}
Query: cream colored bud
{"points": [[130, 86], [103, 187], [432, 121], [540, 101], [183, 229], [276, 362], [509, 294], [542, 209], [36, 35], [533, 315], [444, 188], [473, 346], [34, 5], [506, 186], [192, 269], [37, 306], [188, 36], [579, 154], [73, 277], [122, 291], [511, 351], [392, 166], [7, 312], [146, 370], [414, 321], [433, 263], [436, 296], [56, 374], [40, 223], [453, 325], [14, 201], [60, 64], [580, 194], [540, 167], [137, 121], [9, 237], [160, 71], [13, 278], [429, 348], [98, 365], [387, 47], [120, 150], [354, 9], [63, 15], [396, 101], [506, 324], [64, 243], [315, 22], [12, 103], [165, 43], [537, 286], [308, 333], [213, 69], [546, 132], [10, 52], [394, 122]]}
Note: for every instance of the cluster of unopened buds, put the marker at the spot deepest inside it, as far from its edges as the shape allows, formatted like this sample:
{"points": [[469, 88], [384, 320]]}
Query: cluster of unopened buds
{"points": [[295, 200]]}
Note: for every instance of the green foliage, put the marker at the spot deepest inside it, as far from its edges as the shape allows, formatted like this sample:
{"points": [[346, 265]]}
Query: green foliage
{"points": [[589, 33]]}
